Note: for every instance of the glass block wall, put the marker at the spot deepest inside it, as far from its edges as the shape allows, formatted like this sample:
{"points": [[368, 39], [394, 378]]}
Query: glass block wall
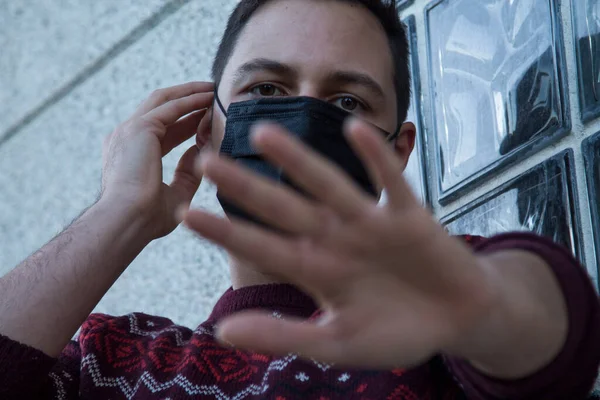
{"points": [[506, 100]]}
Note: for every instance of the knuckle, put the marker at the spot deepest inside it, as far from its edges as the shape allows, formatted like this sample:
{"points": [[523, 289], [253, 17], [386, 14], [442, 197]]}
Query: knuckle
{"points": [[145, 123], [188, 180], [181, 105], [159, 95], [279, 212]]}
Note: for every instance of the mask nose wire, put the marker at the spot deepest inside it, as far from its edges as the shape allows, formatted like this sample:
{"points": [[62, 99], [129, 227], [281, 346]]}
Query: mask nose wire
{"points": [[219, 102]]}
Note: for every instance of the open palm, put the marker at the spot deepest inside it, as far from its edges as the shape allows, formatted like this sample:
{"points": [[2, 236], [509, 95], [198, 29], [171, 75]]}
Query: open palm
{"points": [[393, 287]]}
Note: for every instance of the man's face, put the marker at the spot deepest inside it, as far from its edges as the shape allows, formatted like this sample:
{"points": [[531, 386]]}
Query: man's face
{"points": [[328, 50]]}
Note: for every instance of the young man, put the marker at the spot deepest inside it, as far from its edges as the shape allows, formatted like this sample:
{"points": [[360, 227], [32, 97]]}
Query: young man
{"points": [[389, 307]]}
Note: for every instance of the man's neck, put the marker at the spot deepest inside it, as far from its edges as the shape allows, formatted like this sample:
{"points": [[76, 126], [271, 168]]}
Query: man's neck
{"points": [[244, 274]]}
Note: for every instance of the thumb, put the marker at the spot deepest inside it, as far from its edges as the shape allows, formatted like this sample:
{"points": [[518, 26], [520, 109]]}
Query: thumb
{"points": [[260, 332], [186, 181]]}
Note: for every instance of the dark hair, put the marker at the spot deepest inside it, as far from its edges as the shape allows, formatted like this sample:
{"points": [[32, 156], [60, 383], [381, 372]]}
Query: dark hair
{"points": [[384, 11]]}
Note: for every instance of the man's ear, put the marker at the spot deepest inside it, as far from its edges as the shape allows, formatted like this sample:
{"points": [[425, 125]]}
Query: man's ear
{"points": [[405, 142], [204, 131]]}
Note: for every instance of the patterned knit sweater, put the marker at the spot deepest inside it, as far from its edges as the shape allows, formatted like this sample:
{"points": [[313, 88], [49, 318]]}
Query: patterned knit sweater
{"points": [[143, 357]]}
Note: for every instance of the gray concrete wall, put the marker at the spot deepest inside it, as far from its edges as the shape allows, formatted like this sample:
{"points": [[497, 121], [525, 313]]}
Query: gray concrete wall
{"points": [[70, 71], [69, 87]]}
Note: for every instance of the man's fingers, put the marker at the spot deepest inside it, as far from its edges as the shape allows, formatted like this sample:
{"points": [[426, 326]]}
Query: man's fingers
{"points": [[185, 180], [275, 204], [181, 131], [381, 162], [261, 332], [172, 111], [162, 96], [245, 240], [318, 176]]}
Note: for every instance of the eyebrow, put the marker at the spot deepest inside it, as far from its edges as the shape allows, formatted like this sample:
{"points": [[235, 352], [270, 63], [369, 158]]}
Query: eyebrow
{"points": [[355, 78], [263, 64]]}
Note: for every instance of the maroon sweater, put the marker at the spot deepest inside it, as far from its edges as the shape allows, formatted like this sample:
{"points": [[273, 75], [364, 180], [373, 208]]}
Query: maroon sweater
{"points": [[143, 357]]}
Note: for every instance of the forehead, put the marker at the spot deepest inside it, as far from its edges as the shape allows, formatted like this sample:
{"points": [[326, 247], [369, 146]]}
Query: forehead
{"points": [[317, 36]]}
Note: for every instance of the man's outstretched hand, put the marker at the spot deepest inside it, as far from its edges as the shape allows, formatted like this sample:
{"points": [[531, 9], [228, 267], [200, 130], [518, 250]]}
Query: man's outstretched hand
{"points": [[393, 287]]}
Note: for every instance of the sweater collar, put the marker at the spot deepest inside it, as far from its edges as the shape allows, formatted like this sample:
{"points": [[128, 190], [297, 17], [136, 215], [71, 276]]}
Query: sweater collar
{"points": [[281, 298]]}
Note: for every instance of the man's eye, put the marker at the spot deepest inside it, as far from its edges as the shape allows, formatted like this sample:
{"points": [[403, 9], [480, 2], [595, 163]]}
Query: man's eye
{"points": [[347, 103], [266, 90]]}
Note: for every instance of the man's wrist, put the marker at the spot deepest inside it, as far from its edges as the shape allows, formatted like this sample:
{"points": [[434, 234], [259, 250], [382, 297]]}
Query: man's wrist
{"points": [[474, 340], [526, 325], [134, 222]]}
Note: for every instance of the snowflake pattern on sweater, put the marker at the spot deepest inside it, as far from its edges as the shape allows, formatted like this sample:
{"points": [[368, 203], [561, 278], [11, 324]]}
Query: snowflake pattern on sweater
{"points": [[140, 356]]}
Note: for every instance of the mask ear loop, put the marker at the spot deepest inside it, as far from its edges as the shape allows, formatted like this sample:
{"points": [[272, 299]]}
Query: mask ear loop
{"points": [[393, 136], [218, 100]]}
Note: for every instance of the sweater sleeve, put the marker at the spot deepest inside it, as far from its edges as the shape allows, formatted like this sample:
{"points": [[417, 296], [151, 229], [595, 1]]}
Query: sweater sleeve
{"points": [[572, 373], [28, 373]]}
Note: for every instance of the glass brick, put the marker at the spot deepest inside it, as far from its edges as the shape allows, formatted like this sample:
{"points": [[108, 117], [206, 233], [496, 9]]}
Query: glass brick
{"points": [[591, 154], [541, 200], [586, 26], [497, 85]]}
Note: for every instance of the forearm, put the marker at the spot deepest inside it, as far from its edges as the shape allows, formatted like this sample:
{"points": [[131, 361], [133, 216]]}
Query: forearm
{"points": [[527, 327], [44, 300]]}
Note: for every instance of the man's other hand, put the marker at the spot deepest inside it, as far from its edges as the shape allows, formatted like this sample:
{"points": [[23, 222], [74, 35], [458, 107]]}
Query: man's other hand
{"points": [[132, 155]]}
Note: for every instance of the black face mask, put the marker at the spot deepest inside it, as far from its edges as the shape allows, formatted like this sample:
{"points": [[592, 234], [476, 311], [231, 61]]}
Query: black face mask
{"points": [[316, 123]]}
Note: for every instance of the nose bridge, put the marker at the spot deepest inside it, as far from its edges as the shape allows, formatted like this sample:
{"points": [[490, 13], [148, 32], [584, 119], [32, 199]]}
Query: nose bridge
{"points": [[310, 87]]}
